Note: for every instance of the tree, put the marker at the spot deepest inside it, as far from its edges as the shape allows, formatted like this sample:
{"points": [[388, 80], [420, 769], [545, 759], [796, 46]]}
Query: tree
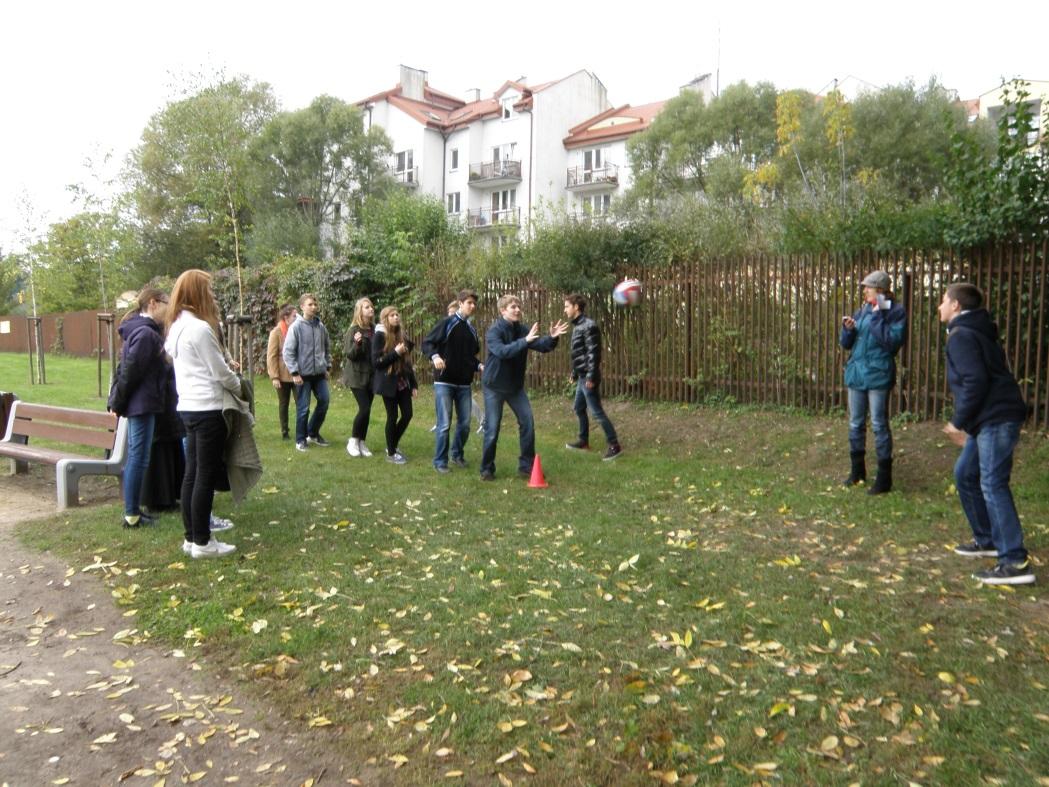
{"points": [[10, 284], [313, 166], [84, 261], [1001, 192], [191, 174]]}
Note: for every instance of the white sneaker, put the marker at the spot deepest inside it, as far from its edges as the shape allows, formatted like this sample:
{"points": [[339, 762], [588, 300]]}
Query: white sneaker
{"points": [[187, 547], [351, 447], [214, 548], [218, 524], [363, 448]]}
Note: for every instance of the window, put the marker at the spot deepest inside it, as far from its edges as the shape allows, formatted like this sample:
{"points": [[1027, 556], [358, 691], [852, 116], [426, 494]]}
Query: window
{"points": [[591, 163], [508, 108], [454, 165], [404, 169], [453, 202], [503, 204], [596, 204]]}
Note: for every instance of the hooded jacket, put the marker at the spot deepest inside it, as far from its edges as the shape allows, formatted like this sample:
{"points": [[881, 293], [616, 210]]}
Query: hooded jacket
{"points": [[143, 368], [985, 391], [874, 342]]}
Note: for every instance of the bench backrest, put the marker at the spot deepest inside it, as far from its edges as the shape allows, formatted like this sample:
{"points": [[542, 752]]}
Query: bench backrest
{"points": [[63, 425]]}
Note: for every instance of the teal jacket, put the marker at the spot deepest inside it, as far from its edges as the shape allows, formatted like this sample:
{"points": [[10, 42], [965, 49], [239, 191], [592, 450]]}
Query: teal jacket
{"points": [[874, 342]]}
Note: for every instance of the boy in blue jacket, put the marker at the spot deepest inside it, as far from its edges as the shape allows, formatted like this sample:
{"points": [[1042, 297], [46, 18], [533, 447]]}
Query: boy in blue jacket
{"points": [[508, 342], [988, 413]]}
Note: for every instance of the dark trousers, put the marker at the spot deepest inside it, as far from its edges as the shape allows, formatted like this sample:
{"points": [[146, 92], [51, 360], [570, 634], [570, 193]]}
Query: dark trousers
{"points": [[205, 441], [493, 419], [364, 397], [284, 394], [591, 398], [395, 427]]}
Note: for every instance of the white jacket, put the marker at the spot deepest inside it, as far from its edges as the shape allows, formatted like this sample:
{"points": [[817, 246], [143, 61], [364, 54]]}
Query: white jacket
{"points": [[201, 371]]}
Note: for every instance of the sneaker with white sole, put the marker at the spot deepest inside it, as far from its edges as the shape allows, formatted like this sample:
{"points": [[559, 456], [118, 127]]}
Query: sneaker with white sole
{"points": [[214, 548], [972, 549], [300, 447], [218, 524], [187, 547], [363, 448], [396, 458], [318, 441], [352, 448], [1007, 574]]}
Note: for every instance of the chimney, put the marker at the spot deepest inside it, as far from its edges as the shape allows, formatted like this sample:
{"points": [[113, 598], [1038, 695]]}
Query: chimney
{"points": [[473, 94], [701, 85], [412, 82]]}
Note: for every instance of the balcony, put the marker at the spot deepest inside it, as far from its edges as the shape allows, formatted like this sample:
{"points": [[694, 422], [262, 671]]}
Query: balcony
{"points": [[582, 180], [406, 177], [486, 174], [486, 218]]}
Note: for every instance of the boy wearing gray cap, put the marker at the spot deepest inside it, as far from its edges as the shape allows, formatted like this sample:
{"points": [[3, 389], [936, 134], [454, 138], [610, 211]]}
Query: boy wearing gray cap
{"points": [[874, 334]]}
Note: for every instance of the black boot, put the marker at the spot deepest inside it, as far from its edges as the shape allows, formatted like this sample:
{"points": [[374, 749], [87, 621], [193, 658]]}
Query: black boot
{"points": [[859, 469], [883, 483]]}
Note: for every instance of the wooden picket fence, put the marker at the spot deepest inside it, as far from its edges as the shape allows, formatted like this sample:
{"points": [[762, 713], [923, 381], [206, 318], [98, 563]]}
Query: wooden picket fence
{"points": [[764, 329]]}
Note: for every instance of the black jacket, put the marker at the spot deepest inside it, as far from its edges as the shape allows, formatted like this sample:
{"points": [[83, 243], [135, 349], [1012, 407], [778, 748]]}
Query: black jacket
{"points": [[142, 376], [504, 369], [985, 391], [386, 382], [455, 340], [586, 349], [357, 370]]}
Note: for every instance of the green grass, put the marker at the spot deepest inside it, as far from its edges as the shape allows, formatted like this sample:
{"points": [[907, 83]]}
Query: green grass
{"points": [[712, 604]]}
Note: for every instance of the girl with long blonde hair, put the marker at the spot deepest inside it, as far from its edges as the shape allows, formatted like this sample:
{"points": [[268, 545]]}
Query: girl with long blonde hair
{"points": [[358, 372]]}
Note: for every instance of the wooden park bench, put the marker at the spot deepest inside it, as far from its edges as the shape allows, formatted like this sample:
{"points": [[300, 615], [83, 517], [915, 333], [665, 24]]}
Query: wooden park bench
{"points": [[68, 427]]}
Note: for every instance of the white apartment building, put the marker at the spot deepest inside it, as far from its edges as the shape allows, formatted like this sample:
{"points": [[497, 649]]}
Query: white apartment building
{"points": [[500, 162]]}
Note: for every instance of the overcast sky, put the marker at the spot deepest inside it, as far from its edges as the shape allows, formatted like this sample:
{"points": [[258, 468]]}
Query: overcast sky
{"points": [[79, 80]]}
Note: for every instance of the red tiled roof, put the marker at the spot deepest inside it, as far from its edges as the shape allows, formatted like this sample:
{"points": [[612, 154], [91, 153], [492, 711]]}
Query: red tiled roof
{"points": [[613, 124]]}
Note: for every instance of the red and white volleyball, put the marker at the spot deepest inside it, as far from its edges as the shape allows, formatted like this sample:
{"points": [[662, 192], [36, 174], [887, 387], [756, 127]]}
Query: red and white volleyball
{"points": [[627, 293]]}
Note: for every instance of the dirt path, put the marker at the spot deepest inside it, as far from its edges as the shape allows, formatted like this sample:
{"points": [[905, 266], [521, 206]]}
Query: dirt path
{"points": [[81, 703]]}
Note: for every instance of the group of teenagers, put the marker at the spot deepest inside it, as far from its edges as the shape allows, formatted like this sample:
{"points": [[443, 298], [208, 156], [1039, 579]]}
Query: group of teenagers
{"points": [[175, 373], [378, 361]]}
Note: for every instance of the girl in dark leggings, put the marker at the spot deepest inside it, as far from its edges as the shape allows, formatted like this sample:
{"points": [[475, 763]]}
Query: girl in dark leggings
{"points": [[358, 372], [394, 378]]}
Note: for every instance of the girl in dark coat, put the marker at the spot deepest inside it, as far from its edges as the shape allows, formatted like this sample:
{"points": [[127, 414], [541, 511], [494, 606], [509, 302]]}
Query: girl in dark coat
{"points": [[358, 372], [140, 392], [394, 378]]}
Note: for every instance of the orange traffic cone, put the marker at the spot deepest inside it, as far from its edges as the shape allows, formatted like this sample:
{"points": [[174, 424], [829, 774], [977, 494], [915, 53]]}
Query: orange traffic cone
{"points": [[537, 481]]}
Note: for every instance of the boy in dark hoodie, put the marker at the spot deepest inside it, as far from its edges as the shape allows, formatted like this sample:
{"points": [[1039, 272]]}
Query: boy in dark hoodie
{"points": [[988, 413]]}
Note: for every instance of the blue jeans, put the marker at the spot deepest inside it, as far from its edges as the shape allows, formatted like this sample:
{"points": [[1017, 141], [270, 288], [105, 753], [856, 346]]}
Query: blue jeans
{"points": [[317, 385], [139, 443], [591, 397], [981, 476], [877, 402], [446, 396], [493, 417]]}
